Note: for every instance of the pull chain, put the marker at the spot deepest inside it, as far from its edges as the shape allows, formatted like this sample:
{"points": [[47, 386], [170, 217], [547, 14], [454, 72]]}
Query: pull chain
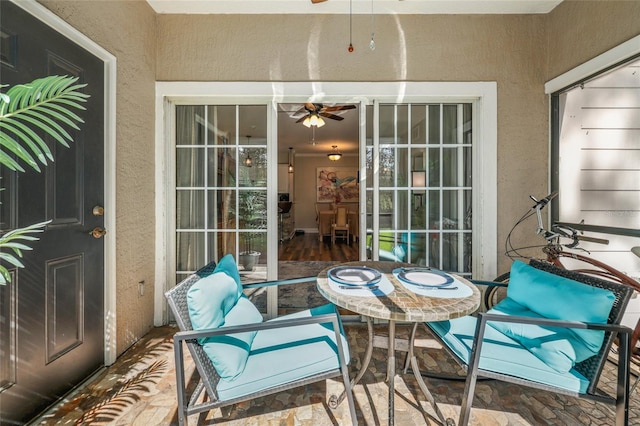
{"points": [[350, 49], [372, 43]]}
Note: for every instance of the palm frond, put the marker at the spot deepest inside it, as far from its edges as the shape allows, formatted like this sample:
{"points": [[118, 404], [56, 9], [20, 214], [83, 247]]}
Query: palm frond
{"points": [[44, 105], [12, 244]]}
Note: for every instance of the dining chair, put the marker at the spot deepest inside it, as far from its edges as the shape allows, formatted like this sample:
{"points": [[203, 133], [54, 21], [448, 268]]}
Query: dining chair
{"points": [[340, 225], [238, 357], [553, 331]]}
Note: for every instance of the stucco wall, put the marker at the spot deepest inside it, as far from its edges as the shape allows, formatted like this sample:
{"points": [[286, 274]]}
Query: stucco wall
{"points": [[581, 30], [127, 29]]}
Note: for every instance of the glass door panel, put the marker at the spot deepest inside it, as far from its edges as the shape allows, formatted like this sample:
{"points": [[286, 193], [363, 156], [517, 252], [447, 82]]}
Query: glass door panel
{"points": [[418, 184], [221, 188]]}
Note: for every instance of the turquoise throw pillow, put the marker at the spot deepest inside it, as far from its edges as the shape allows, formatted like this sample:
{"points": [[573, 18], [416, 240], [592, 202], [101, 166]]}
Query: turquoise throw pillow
{"points": [[229, 266], [229, 353], [556, 297], [559, 348], [210, 299]]}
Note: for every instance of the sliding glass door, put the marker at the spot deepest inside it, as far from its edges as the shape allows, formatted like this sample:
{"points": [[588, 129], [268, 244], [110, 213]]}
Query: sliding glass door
{"points": [[418, 159], [221, 188]]}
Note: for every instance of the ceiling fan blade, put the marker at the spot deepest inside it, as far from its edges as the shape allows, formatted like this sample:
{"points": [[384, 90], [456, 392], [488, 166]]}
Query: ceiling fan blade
{"points": [[331, 116], [301, 119], [338, 107]]}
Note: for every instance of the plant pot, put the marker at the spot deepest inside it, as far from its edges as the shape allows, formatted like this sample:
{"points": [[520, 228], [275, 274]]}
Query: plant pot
{"points": [[248, 260]]}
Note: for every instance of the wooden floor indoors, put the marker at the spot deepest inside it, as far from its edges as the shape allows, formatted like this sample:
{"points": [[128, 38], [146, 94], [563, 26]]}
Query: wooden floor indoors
{"points": [[305, 247]]}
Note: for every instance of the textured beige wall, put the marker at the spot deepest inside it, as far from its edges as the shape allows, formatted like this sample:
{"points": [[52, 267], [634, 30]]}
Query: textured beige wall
{"points": [[127, 29], [581, 30]]}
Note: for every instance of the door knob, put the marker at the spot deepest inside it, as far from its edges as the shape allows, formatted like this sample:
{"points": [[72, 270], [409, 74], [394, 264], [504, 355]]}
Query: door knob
{"points": [[98, 211], [98, 232]]}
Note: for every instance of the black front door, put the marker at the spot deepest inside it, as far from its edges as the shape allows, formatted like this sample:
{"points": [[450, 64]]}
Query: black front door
{"points": [[52, 313]]}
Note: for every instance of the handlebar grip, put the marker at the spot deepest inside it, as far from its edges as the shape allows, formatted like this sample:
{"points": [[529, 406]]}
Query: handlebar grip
{"points": [[544, 201], [593, 240]]}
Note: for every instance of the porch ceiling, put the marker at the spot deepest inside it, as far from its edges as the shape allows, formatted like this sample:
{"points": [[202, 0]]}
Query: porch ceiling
{"points": [[410, 7]]}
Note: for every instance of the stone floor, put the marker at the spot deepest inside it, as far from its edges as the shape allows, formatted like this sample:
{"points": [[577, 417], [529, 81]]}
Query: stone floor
{"points": [[139, 389]]}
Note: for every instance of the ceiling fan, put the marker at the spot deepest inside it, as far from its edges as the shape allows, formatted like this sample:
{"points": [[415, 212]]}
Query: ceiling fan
{"points": [[313, 113]]}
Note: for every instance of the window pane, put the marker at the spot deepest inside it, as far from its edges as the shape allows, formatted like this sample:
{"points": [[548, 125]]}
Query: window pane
{"points": [[449, 124], [222, 167], [386, 210], [190, 125], [418, 124], [189, 167], [450, 210], [189, 251], [434, 124], [222, 209], [450, 167], [434, 209], [221, 125], [434, 167], [387, 167], [402, 208], [253, 117], [190, 209]]}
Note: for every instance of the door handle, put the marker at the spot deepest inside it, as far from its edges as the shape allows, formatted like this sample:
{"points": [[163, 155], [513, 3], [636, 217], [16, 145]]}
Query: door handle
{"points": [[98, 232]]}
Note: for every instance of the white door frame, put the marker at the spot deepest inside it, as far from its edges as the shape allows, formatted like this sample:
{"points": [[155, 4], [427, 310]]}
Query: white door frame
{"points": [[62, 27], [482, 94]]}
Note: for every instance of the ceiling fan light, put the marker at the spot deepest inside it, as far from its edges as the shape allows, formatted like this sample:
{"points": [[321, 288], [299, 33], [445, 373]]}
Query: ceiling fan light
{"points": [[334, 155], [307, 122], [320, 122]]}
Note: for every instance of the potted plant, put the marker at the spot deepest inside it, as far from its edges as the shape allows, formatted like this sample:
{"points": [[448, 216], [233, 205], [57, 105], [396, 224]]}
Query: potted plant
{"points": [[253, 215]]}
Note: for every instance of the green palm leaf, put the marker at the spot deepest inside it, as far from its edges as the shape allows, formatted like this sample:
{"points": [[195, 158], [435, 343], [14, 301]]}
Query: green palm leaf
{"points": [[43, 105], [28, 111], [13, 244]]}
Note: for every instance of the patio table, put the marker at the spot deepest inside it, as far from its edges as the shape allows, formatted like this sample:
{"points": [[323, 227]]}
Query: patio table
{"points": [[394, 301]]}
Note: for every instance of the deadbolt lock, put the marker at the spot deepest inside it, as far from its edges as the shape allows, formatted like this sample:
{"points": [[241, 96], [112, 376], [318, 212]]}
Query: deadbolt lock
{"points": [[98, 211]]}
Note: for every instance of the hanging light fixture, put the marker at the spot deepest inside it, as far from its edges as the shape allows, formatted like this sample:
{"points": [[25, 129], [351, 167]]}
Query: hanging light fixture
{"points": [[313, 120], [290, 163], [248, 161], [372, 43], [334, 155]]}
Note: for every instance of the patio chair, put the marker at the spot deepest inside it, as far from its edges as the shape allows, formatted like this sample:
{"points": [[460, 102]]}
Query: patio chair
{"points": [[552, 332], [237, 356]]}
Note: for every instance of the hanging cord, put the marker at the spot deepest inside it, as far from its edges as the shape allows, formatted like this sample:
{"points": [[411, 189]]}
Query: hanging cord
{"points": [[372, 43], [350, 49]]}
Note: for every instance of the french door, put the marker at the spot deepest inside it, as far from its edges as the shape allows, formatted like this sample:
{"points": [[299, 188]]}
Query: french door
{"points": [[221, 188], [419, 184]]}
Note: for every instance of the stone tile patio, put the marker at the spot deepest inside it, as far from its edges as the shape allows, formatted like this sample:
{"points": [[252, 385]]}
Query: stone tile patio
{"points": [[139, 389]]}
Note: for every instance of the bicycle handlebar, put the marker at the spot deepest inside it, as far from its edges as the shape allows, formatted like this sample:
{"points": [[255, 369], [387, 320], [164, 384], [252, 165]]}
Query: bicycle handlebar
{"points": [[544, 201], [592, 239]]}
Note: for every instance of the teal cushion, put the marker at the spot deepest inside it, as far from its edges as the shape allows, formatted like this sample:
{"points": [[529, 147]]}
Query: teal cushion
{"points": [[229, 266], [559, 348], [229, 353], [501, 354], [279, 356], [556, 297], [209, 300], [214, 302]]}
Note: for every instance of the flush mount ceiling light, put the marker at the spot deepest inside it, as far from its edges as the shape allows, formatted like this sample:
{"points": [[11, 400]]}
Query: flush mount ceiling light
{"points": [[334, 155]]}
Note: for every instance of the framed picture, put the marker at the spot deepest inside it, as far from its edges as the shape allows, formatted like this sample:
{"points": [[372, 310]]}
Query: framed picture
{"points": [[337, 184]]}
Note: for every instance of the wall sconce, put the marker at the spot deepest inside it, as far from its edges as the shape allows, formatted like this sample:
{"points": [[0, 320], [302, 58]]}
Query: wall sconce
{"points": [[335, 154], [313, 120], [418, 179], [290, 163]]}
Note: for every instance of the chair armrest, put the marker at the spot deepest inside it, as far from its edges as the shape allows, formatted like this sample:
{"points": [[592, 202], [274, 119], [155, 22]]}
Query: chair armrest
{"points": [[489, 283], [484, 317], [280, 282], [199, 334]]}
